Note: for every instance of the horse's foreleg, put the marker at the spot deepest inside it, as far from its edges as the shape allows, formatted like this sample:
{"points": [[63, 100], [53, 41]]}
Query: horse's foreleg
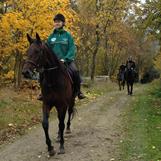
{"points": [[58, 137], [128, 88], [61, 116], [45, 124], [131, 88], [123, 85]]}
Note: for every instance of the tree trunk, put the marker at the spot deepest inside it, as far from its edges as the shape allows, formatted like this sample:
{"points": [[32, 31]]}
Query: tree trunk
{"points": [[97, 44], [93, 65], [95, 54], [17, 69]]}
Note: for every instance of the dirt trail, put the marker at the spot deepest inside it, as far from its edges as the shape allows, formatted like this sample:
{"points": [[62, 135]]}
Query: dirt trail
{"points": [[95, 134]]}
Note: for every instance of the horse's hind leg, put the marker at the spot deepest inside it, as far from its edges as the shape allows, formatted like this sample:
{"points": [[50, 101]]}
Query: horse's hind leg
{"points": [[128, 90], [61, 116], [119, 85], [131, 89], [70, 112], [123, 85], [58, 137], [45, 124]]}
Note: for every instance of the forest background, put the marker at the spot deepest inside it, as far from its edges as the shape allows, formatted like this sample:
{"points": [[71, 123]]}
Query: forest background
{"points": [[106, 33]]}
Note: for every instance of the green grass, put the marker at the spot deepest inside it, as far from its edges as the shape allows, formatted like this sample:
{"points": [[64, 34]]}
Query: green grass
{"points": [[18, 112], [94, 90], [142, 126]]}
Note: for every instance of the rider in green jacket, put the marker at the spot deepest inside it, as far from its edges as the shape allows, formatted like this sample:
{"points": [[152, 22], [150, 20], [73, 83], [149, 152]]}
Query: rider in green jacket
{"points": [[62, 44]]}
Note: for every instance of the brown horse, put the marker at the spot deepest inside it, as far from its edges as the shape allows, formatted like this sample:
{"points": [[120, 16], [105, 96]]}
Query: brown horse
{"points": [[121, 80], [56, 87], [130, 76]]}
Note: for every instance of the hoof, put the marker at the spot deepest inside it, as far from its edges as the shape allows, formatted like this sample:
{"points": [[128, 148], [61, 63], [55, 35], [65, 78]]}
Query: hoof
{"points": [[68, 131], [52, 152], [61, 151]]}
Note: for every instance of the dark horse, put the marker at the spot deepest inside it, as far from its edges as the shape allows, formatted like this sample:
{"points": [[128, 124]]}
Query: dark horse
{"points": [[130, 78], [121, 79], [56, 87]]}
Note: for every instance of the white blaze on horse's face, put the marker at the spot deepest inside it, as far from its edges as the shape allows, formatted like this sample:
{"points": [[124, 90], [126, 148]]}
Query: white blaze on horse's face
{"points": [[58, 24]]}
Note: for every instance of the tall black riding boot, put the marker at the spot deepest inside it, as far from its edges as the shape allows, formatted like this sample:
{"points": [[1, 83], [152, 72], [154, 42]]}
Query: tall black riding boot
{"points": [[80, 94]]}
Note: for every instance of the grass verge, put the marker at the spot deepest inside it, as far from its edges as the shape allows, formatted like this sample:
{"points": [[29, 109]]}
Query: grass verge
{"points": [[142, 126]]}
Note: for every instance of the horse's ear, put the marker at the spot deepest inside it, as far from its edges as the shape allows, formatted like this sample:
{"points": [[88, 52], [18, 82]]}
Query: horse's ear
{"points": [[29, 39], [38, 37]]}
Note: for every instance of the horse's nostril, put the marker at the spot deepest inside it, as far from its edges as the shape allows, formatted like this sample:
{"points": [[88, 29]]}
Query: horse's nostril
{"points": [[26, 74]]}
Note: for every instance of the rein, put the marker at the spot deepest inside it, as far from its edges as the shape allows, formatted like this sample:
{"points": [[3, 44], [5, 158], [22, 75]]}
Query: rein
{"points": [[31, 62], [47, 69]]}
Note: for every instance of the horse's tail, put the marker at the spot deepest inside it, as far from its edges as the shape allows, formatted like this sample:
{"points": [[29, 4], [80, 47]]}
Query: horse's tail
{"points": [[74, 111]]}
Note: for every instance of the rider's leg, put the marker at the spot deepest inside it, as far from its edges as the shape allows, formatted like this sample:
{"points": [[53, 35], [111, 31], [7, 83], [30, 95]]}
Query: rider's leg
{"points": [[77, 80]]}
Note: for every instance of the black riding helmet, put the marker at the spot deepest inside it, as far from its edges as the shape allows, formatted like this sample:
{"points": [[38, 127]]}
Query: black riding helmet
{"points": [[59, 17]]}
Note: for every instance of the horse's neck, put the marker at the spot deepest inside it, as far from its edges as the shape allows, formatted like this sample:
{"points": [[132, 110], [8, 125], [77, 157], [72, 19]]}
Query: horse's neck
{"points": [[52, 59], [56, 76]]}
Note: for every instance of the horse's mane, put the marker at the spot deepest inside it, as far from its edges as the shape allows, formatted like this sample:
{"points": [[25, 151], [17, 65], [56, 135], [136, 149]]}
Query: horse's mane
{"points": [[52, 56]]}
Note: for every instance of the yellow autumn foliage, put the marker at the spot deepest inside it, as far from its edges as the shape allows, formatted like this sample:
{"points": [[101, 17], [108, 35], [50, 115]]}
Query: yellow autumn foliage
{"points": [[31, 16], [13, 33], [157, 61], [9, 75]]}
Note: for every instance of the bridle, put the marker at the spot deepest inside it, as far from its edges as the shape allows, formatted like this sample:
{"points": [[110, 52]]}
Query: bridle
{"points": [[42, 69], [31, 62]]}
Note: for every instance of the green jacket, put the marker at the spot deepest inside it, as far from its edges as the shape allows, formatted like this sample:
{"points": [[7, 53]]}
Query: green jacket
{"points": [[62, 44]]}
